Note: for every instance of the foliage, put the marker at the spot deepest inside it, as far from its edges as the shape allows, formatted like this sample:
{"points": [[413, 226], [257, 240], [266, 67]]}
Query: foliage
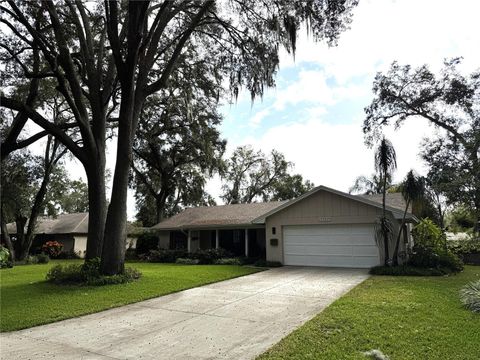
{"points": [[178, 145], [43, 259], [399, 315], [31, 259], [427, 257], [470, 296], [228, 261], [383, 228], [187, 261], [449, 101], [460, 219], [4, 257], [408, 270], [68, 255], [385, 164], [165, 256], [251, 176], [116, 55], [145, 243], [89, 274], [370, 185], [52, 248], [209, 256], [413, 189], [66, 196], [265, 263], [290, 187], [468, 246], [428, 235]]}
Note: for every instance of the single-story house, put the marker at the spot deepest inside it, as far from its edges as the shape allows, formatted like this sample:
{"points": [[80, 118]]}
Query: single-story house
{"points": [[69, 229], [323, 227]]}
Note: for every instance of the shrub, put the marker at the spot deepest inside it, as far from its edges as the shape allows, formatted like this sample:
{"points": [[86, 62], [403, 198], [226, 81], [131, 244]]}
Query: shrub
{"points": [[187, 261], [428, 235], [467, 246], [4, 256], [88, 274], [451, 261], [43, 258], [228, 261], [423, 257], [146, 243], [165, 256], [31, 259], [406, 270], [265, 263], [470, 296], [52, 248], [209, 256], [68, 255], [131, 254]]}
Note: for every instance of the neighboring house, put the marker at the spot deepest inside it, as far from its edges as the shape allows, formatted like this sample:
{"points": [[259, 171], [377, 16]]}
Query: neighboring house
{"points": [[324, 227], [69, 229]]}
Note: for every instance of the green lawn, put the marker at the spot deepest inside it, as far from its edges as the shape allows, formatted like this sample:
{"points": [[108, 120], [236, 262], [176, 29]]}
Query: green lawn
{"points": [[404, 317], [28, 300]]}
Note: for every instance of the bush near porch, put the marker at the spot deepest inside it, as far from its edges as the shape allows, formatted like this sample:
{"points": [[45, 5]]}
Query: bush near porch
{"points": [[430, 255]]}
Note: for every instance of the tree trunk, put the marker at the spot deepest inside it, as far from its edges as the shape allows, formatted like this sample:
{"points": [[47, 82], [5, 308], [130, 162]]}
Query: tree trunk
{"points": [[160, 202], [26, 244], [397, 242], [384, 225], [6, 236], [97, 207], [114, 242], [20, 222]]}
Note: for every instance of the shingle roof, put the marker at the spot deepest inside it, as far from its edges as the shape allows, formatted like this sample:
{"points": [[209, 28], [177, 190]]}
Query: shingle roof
{"points": [[394, 200], [245, 214], [76, 223], [223, 215]]}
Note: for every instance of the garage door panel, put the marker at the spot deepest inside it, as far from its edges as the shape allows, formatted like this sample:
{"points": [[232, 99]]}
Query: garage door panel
{"points": [[346, 245], [321, 260], [320, 239], [364, 250], [319, 250]]}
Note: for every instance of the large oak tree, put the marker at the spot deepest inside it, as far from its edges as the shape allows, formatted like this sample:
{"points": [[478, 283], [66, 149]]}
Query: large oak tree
{"points": [[450, 102], [123, 52]]}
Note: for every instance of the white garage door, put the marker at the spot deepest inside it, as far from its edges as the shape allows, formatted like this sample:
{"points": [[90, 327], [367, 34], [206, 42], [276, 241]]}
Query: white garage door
{"points": [[348, 245]]}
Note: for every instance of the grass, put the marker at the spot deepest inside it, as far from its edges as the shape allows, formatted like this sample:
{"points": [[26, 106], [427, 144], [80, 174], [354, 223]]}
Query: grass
{"points": [[404, 317], [28, 300]]}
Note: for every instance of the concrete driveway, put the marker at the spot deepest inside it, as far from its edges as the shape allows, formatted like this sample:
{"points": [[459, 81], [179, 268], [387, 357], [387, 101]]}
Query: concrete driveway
{"points": [[233, 319]]}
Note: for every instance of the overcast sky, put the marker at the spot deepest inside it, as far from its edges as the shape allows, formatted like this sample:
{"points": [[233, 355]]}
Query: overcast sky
{"points": [[315, 113]]}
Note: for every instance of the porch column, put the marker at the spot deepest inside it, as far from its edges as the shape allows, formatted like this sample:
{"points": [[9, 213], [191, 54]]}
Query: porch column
{"points": [[217, 239], [189, 241], [246, 242]]}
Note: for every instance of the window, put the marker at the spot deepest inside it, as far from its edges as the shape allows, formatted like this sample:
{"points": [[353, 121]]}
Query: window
{"points": [[274, 230]]}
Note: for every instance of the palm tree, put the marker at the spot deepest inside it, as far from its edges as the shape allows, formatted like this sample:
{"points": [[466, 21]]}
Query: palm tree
{"points": [[369, 185], [412, 190], [385, 165]]}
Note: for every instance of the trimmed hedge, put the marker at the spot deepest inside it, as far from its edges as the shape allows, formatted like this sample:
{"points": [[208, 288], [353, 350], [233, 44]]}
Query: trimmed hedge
{"points": [[406, 270]]}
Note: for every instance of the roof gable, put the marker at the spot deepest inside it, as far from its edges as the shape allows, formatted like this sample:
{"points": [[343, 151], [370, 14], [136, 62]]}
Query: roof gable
{"points": [[396, 210]]}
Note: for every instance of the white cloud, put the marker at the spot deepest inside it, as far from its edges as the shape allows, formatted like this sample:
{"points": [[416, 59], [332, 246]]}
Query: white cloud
{"points": [[335, 154], [410, 31]]}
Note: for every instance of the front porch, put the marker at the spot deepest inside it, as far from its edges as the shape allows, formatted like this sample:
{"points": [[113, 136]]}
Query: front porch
{"points": [[248, 242]]}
